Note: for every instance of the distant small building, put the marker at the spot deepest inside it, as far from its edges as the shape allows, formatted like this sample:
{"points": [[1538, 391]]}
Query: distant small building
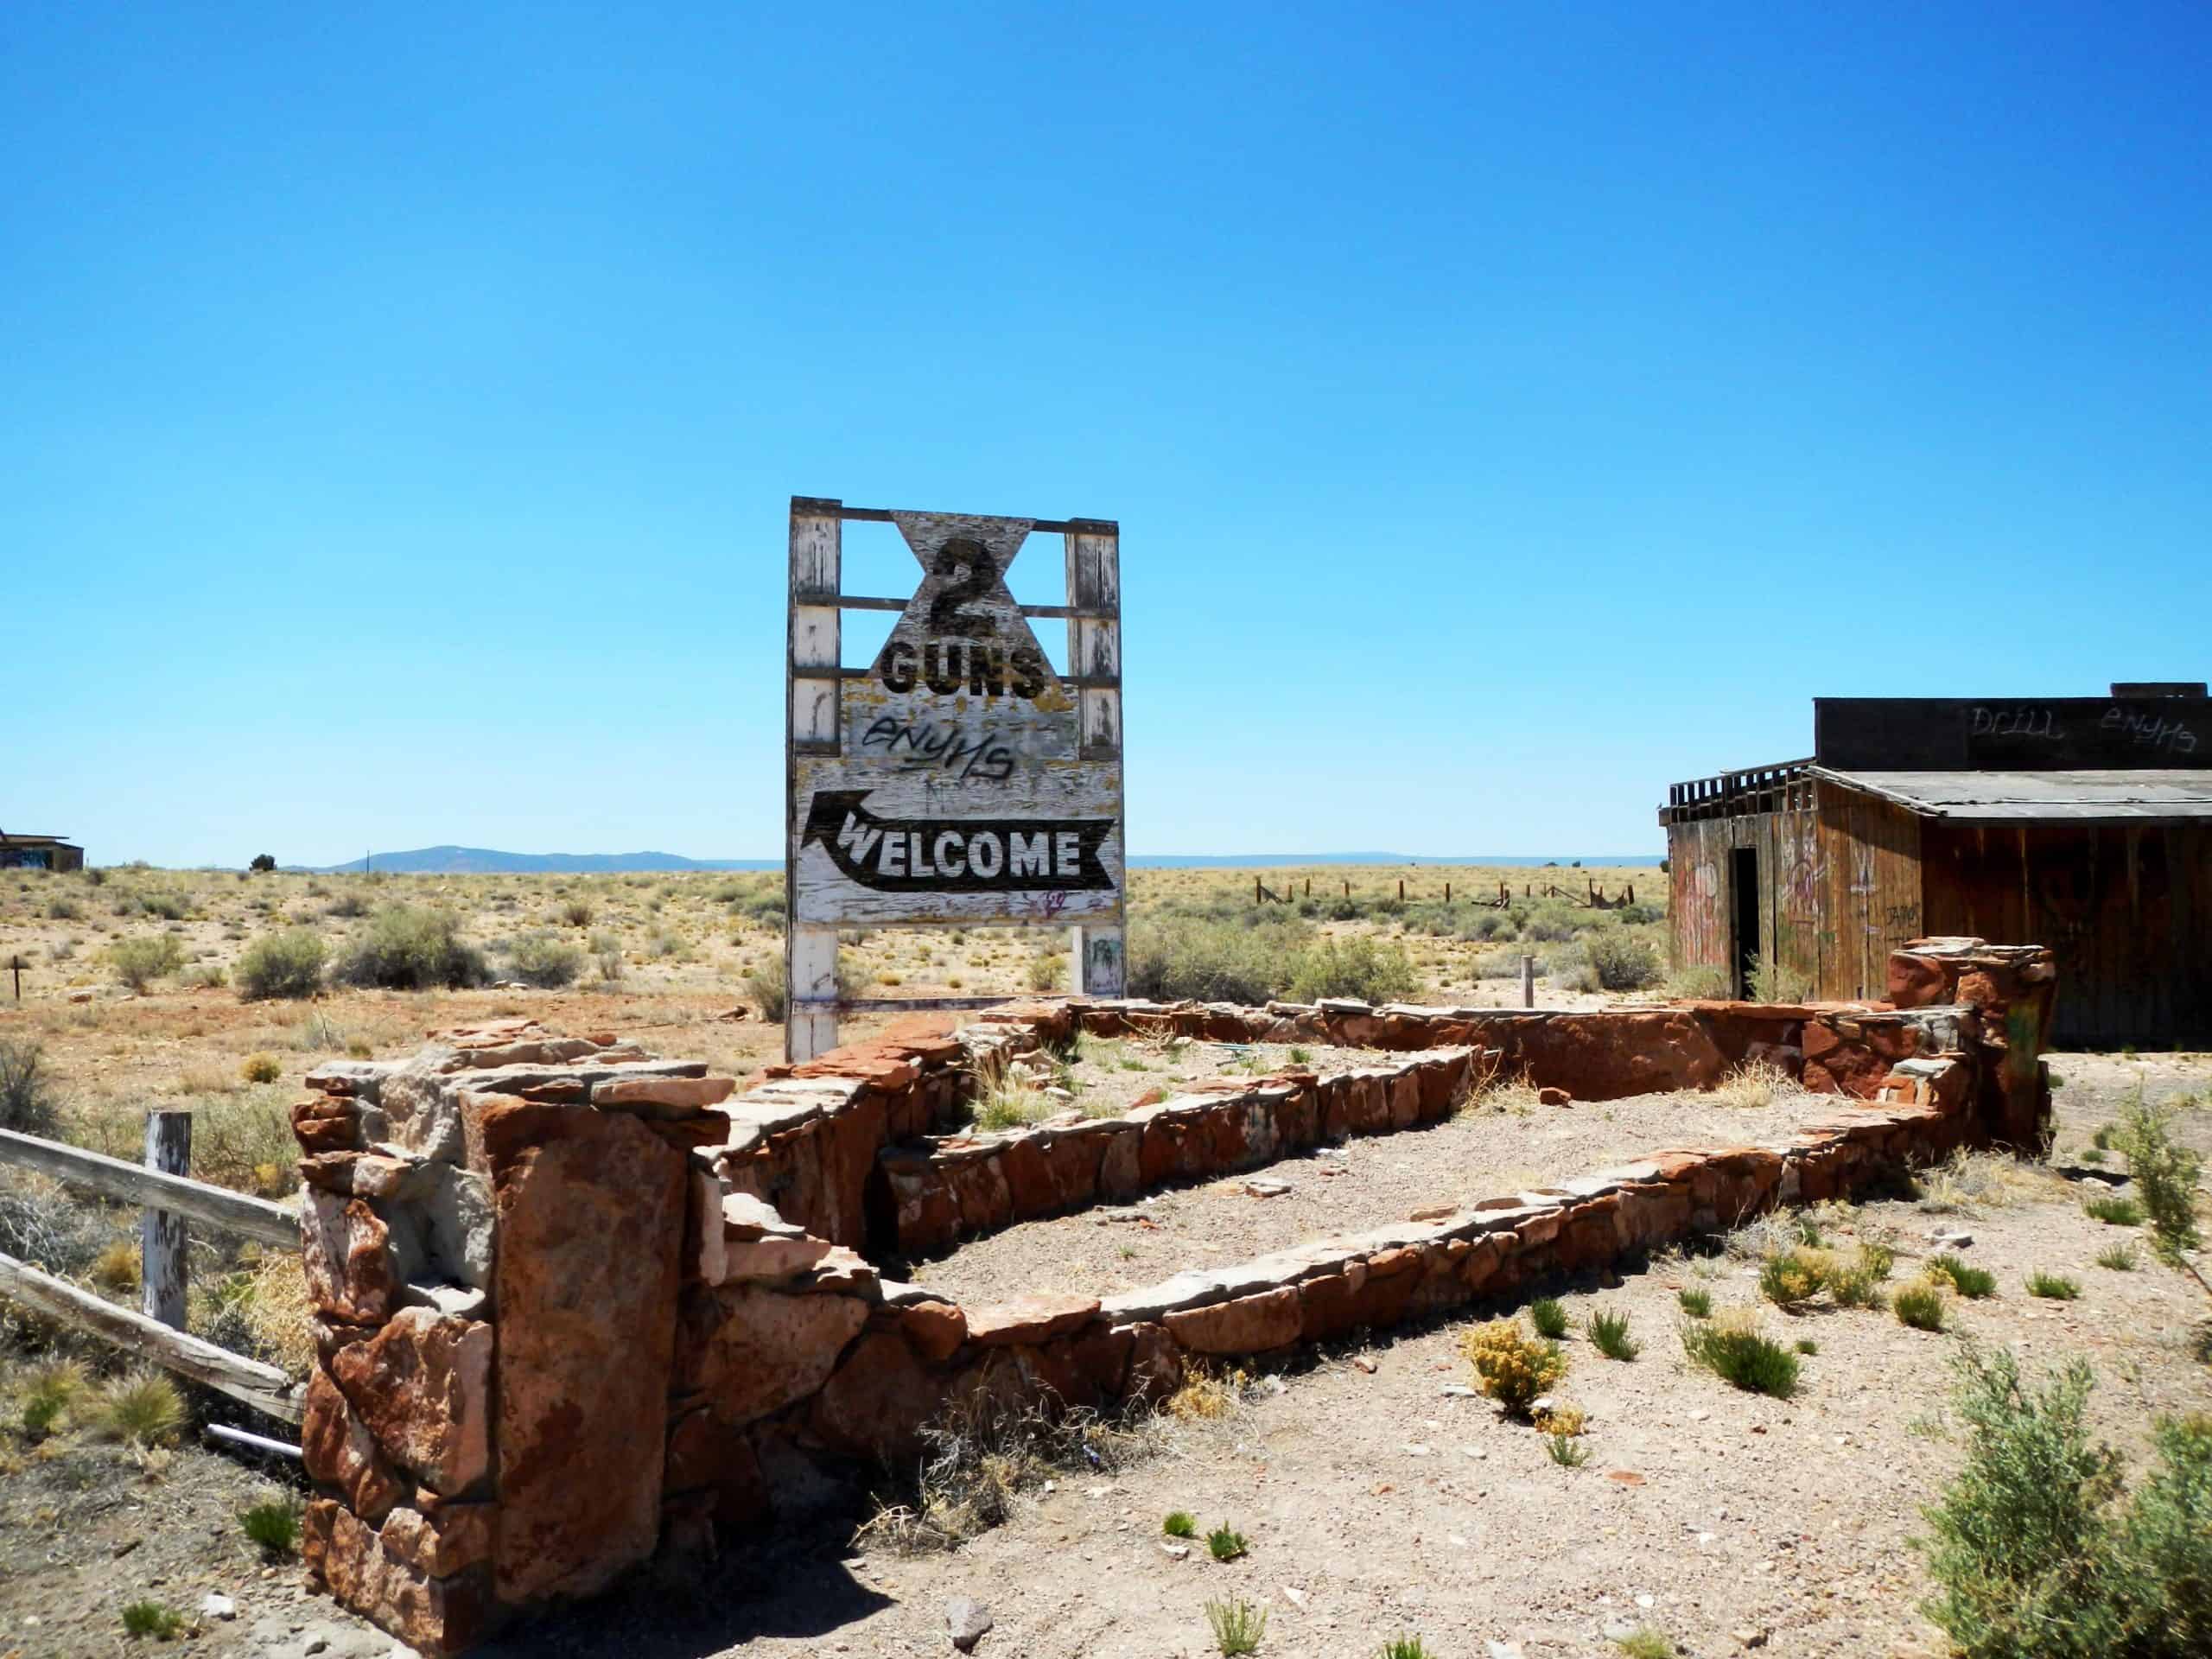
{"points": [[39, 853], [2082, 823]]}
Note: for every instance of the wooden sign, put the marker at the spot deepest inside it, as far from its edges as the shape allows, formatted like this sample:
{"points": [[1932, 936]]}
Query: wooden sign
{"points": [[958, 779]]}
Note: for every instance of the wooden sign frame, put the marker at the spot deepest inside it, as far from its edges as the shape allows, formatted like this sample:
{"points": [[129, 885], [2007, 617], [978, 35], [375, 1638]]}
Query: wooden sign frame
{"points": [[958, 780]]}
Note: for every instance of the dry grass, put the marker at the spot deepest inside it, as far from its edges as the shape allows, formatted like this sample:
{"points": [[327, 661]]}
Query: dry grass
{"points": [[1967, 1183], [1755, 1083]]}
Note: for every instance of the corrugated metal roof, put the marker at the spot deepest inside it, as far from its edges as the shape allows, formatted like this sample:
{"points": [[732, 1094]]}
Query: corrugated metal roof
{"points": [[2025, 796]]}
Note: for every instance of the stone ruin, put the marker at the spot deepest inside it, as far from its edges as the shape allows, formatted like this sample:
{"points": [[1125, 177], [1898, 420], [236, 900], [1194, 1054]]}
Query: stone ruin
{"points": [[577, 1305]]}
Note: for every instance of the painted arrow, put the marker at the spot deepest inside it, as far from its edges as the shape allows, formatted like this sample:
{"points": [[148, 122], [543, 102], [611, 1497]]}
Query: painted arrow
{"points": [[957, 855]]}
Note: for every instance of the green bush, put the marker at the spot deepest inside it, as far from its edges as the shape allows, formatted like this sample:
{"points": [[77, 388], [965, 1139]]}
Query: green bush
{"points": [[289, 963], [1972, 1283], [1698, 1304], [2055, 1285], [544, 961], [1732, 1350], [1608, 1335], [1174, 957], [1180, 1523], [770, 987], [1549, 1317], [1920, 1306], [2166, 1176], [2035, 1555], [1362, 966], [152, 1619], [2115, 1212], [274, 1524], [412, 948], [144, 957], [29, 1104], [1623, 961]]}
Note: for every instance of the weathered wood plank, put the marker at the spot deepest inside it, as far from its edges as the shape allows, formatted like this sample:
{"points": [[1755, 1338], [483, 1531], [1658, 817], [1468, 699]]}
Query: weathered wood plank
{"points": [[262, 1387], [162, 1272], [249, 1218]]}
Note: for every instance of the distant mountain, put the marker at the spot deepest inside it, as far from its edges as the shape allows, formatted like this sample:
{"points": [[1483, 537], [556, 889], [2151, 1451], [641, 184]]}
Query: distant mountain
{"points": [[484, 861]]}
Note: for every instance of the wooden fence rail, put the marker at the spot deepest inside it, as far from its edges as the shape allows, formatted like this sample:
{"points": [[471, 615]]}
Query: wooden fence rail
{"points": [[169, 1198]]}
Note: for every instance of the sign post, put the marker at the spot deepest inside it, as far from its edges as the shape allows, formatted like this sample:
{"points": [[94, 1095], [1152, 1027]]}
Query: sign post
{"points": [[958, 779]]}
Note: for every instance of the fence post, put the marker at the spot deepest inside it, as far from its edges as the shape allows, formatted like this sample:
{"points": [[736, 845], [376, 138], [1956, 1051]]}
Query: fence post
{"points": [[1401, 889], [1527, 981], [160, 1232]]}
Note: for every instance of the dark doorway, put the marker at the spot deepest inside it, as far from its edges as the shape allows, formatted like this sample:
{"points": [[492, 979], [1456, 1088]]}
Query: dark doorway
{"points": [[1744, 907]]}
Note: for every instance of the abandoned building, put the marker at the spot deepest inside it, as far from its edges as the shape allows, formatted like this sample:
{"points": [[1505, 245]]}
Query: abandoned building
{"points": [[39, 853], [2084, 823]]}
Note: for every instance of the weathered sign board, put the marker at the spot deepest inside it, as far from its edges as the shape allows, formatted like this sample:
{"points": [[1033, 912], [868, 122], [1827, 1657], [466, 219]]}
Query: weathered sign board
{"points": [[958, 779]]}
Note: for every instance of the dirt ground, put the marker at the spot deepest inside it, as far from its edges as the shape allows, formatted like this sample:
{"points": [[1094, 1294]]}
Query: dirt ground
{"points": [[1376, 1502], [1486, 1151]]}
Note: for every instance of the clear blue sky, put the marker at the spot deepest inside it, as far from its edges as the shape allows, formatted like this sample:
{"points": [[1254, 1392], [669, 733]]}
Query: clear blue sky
{"points": [[1509, 409]]}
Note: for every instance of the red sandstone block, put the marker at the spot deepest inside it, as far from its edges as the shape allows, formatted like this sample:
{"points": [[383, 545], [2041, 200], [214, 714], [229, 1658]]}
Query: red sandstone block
{"points": [[1249, 1324]]}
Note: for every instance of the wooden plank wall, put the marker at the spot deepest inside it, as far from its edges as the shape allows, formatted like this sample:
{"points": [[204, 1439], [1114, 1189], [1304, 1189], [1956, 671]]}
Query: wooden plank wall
{"points": [[1701, 902], [2128, 912], [1867, 874]]}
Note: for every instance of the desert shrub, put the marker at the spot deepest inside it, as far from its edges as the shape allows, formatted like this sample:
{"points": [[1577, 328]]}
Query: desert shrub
{"points": [[1225, 1543], [1790, 1278], [167, 906], [413, 948], [577, 913], [1972, 1283], [262, 1068], [2034, 1553], [29, 1104], [2055, 1286], [1701, 981], [1548, 1315], [770, 987], [1646, 1643], [142, 1409], [1363, 966], [1623, 961], [287, 963], [142, 959], [1239, 1626], [1754, 1084], [1174, 957], [1608, 1335], [2121, 1258], [262, 863], [2114, 1211], [1047, 971], [1698, 1304], [544, 961], [1731, 1348], [348, 905], [1510, 1368], [2166, 1176], [1920, 1306], [1180, 1523], [273, 1523], [1566, 1451], [63, 908], [1405, 1647]]}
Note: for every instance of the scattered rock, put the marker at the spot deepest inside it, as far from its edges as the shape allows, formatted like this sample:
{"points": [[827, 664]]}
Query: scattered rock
{"points": [[1262, 1186], [214, 1605], [1433, 1212], [1748, 1637], [1362, 1363], [1295, 1595], [1950, 1239], [967, 1621], [1551, 1096], [1175, 1551]]}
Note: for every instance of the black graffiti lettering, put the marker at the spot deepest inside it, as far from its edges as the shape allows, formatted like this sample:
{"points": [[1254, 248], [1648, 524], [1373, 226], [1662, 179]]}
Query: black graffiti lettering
{"points": [[959, 855], [898, 667], [982, 757]]}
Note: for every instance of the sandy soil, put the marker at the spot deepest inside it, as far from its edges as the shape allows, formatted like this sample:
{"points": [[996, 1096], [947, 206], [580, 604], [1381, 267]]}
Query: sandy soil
{"points": [[1106, 1076], [1365, 1182]]}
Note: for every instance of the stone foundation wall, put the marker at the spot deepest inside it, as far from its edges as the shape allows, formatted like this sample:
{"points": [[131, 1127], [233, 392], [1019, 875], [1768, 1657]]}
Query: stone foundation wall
{"points": [[576, 1303]]}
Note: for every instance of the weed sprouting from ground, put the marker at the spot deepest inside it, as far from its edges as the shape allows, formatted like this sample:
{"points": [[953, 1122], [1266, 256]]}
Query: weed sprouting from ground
{"points": [[1730, 1346], [1239, 1626], [1609, 1336], [1755, 1083], [1549, 1318], [142, 1409], [2055, 1285], [273, 1523], [1972, 1283], [1180, 1523], [1566, 1451], [2121, 1258], [1225, 1543], [152, 1619], [1920, 1306], [28, 1102], [1646, 1644], [1405, 1647], [2114, 1211], [1698, 1304]]}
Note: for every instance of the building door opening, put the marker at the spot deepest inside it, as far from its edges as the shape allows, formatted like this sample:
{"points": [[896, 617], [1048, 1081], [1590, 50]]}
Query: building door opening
{"points": [[1743, 901]]}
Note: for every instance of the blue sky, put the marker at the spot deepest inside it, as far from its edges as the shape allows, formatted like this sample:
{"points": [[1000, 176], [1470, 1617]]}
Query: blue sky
{"points": [[1509, 409]]}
